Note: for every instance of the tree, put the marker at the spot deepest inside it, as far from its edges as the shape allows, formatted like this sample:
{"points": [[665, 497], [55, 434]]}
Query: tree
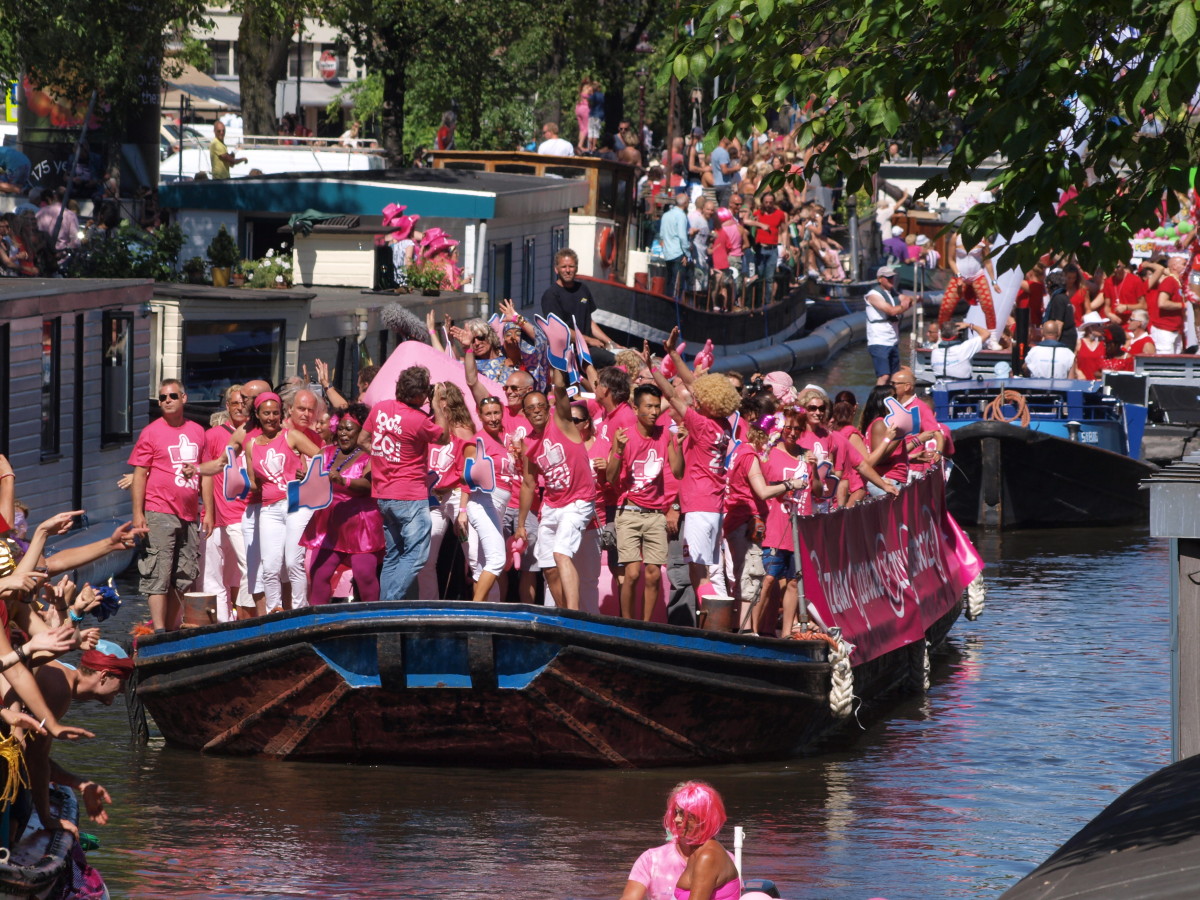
{"points": [[264, 41], [1058, 90]]}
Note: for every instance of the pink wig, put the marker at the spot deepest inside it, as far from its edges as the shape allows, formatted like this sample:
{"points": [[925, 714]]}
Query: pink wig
{"points": [[706, 812]]}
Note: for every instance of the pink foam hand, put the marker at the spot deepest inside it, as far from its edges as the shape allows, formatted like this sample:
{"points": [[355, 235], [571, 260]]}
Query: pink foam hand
{"points": [[668, 364], [581, 348], [704, 359], [558, 336], [237, 482], [497, 324], [479, 472], [898, 417], [314, 491]]}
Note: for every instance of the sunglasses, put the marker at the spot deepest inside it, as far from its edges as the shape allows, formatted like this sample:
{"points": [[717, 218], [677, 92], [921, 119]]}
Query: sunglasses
{"points": [[534, 407], [820, 408], [580, 421], [512, 389], [162, 398]]}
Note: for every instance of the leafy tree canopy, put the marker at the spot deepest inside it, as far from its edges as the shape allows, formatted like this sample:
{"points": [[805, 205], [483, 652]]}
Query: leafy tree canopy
{"points": [[1059, 91]]}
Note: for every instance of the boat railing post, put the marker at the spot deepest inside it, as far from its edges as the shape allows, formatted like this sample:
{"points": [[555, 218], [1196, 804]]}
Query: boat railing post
{"points": [[739, 838], [801, 605]]}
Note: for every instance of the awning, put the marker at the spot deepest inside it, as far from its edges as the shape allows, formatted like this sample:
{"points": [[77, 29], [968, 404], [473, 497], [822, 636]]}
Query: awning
{"points": [[206, 92], [312, 93]]}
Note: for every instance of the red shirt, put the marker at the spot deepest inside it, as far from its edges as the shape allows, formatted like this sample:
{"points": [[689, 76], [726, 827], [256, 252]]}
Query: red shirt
{"points": [[164, 449], [1167, 319], [1139, 345], [1079, 302], [1089, 360], [768, 234], [640, 481], [1128, 293], [400, 439]]}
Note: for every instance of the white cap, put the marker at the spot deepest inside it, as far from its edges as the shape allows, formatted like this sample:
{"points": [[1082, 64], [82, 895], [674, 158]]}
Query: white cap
{"points": [[897, 231]]}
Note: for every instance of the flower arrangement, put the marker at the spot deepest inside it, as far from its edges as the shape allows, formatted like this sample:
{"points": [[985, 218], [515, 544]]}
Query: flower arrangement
{"points": [[271, 271]]}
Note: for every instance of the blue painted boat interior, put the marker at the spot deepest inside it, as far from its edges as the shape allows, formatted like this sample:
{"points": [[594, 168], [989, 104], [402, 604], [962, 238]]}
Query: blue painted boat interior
{"points": [[1052, 403]]}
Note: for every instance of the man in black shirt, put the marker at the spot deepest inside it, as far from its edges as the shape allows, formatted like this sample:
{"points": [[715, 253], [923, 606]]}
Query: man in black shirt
{"points": [[571, 300]]}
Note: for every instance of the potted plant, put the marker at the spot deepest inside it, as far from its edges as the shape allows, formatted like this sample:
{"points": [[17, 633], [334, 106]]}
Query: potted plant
{"points": [[194, 270], [425, 277], [223, 254], [272, 271]]}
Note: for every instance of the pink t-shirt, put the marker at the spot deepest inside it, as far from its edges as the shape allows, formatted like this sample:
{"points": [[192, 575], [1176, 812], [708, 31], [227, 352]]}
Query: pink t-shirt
{"points": [[895, 464], [624, 416], [927, 422], [446, 463], [659, 869], [225, 512], [782, 466], [854, 480], [600, 450], [274, 464], [515, 425], [400, 439], [641, 478], [507, 476], [824, 444], [741, 503], [702, 488], [564, 464], [163, 450]]}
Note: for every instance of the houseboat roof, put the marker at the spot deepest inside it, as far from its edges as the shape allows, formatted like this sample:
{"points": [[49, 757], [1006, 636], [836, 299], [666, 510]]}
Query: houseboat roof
{"points": [[50, 296], [444, 193]]}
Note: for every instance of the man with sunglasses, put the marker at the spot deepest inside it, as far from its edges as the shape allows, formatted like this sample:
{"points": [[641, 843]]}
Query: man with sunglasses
{"points": [[166, 494], [883, 312]]}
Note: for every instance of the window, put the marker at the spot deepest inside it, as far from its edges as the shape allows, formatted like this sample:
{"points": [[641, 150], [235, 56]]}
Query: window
{"points": [[500, 272], [51, 372], [116, 385], [224, 58], [218, 354], [307, 68], [528, 273], [558, 240]]}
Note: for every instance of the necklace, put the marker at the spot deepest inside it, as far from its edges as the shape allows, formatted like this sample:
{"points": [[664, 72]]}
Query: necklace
{"points": [[345, 462]]}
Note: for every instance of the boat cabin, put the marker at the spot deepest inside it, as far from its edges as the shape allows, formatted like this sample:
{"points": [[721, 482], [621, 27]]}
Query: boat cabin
{"points": [[75, 362]]}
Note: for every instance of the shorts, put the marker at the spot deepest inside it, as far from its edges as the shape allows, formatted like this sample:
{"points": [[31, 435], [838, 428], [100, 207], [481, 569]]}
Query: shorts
{"points": [[171, 555], [779, 563], [886, 360], [561, 530], [641, 537], [702, 536], [595, 126]]}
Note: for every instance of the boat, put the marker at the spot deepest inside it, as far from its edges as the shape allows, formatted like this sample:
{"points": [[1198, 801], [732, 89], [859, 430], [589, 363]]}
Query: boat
{"points": [[493, 684], [274, 155], [39, 865], [1042, 452]]}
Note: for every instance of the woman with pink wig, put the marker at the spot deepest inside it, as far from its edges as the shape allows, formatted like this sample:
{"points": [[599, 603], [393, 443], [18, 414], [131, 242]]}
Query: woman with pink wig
{"points": [[693, 865]]}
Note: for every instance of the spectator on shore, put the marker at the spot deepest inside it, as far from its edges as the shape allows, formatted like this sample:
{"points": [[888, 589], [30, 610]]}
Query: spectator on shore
{"points": [[552, 144]]}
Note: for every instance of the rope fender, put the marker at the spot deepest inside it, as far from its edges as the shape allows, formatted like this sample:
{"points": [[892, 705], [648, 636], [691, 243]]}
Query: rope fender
{"points": [[976, 598], [841, 692]]}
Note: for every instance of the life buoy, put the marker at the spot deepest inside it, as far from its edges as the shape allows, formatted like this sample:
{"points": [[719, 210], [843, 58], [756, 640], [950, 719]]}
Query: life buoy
{"points": [[606, 246]]}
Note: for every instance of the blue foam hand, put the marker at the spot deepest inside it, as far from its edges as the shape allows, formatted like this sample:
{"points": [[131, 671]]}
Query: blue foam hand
{"points": [[898, 417], [237, 482], [110, 601], [479, 472], [581, 347], [734, 443], [314, 491], [558, 338]]}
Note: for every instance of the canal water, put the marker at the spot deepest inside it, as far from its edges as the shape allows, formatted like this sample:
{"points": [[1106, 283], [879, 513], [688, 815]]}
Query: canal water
{"points": [[1044, 710]]}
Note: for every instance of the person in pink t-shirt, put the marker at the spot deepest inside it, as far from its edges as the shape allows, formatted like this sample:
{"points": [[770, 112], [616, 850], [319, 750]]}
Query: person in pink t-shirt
{"points": [[398, 434], [166, 500], [705, 460], [555, 452], [638, 459], [225, 548]]}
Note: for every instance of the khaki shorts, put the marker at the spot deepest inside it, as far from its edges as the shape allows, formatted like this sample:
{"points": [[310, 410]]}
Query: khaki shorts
{"points": [[641, 537], [171, 555]]}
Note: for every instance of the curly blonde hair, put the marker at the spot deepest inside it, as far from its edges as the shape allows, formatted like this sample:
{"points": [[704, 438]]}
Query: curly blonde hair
{"points": [[715, 396]]}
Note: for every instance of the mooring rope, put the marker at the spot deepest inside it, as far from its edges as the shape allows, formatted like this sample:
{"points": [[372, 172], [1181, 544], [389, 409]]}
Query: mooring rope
{"points": [[976, 598]]}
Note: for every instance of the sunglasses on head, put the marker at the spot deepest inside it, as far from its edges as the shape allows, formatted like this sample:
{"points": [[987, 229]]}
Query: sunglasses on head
{"points": [[164, 397]]}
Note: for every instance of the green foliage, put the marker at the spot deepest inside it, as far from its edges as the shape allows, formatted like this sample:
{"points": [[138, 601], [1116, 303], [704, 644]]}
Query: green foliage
{"points": [[223, 251], [194, 266], [129, 252], [1054, 91], [272, 270], [424, 276]]}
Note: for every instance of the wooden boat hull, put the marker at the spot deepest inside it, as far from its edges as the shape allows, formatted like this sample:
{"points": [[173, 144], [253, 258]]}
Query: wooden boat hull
{"points": [[492, 685], [631, 315], [1010, 477]]}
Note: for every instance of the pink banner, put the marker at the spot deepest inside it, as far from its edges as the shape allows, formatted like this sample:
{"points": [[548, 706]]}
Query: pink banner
{"points": [[885, 571]]}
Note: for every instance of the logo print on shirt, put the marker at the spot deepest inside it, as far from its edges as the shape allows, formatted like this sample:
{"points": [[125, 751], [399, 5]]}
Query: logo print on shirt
{"points": [[385, 441], [273, 463], [553, 463], [184, 452], [646, 469], [441, 458]]}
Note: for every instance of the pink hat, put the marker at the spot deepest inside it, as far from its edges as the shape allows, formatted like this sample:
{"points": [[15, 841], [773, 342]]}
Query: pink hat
{"points": [[436, 241], [392, 213], [781, 385], [724, 215]]}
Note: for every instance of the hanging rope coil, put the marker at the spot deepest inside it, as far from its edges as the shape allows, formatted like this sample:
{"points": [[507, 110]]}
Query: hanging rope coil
{"points": [[13, 758], [841, 693], [995, 410], [918, 666], [976, 598]]}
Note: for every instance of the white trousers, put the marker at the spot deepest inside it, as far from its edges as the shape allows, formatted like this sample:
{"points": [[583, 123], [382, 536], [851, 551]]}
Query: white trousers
{"points": [[224, 565]]}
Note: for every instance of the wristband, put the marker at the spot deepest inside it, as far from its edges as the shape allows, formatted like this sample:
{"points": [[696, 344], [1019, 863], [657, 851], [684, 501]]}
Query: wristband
{"points": [[22, 656], [75, 617], [8, 475]]}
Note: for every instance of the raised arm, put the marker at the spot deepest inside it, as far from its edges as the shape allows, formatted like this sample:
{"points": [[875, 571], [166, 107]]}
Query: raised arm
{"points": [[562, 406], [671, 345]]}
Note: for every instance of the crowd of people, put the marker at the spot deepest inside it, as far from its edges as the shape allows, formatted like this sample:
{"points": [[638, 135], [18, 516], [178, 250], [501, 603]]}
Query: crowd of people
{"points": [[641, 466]]}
